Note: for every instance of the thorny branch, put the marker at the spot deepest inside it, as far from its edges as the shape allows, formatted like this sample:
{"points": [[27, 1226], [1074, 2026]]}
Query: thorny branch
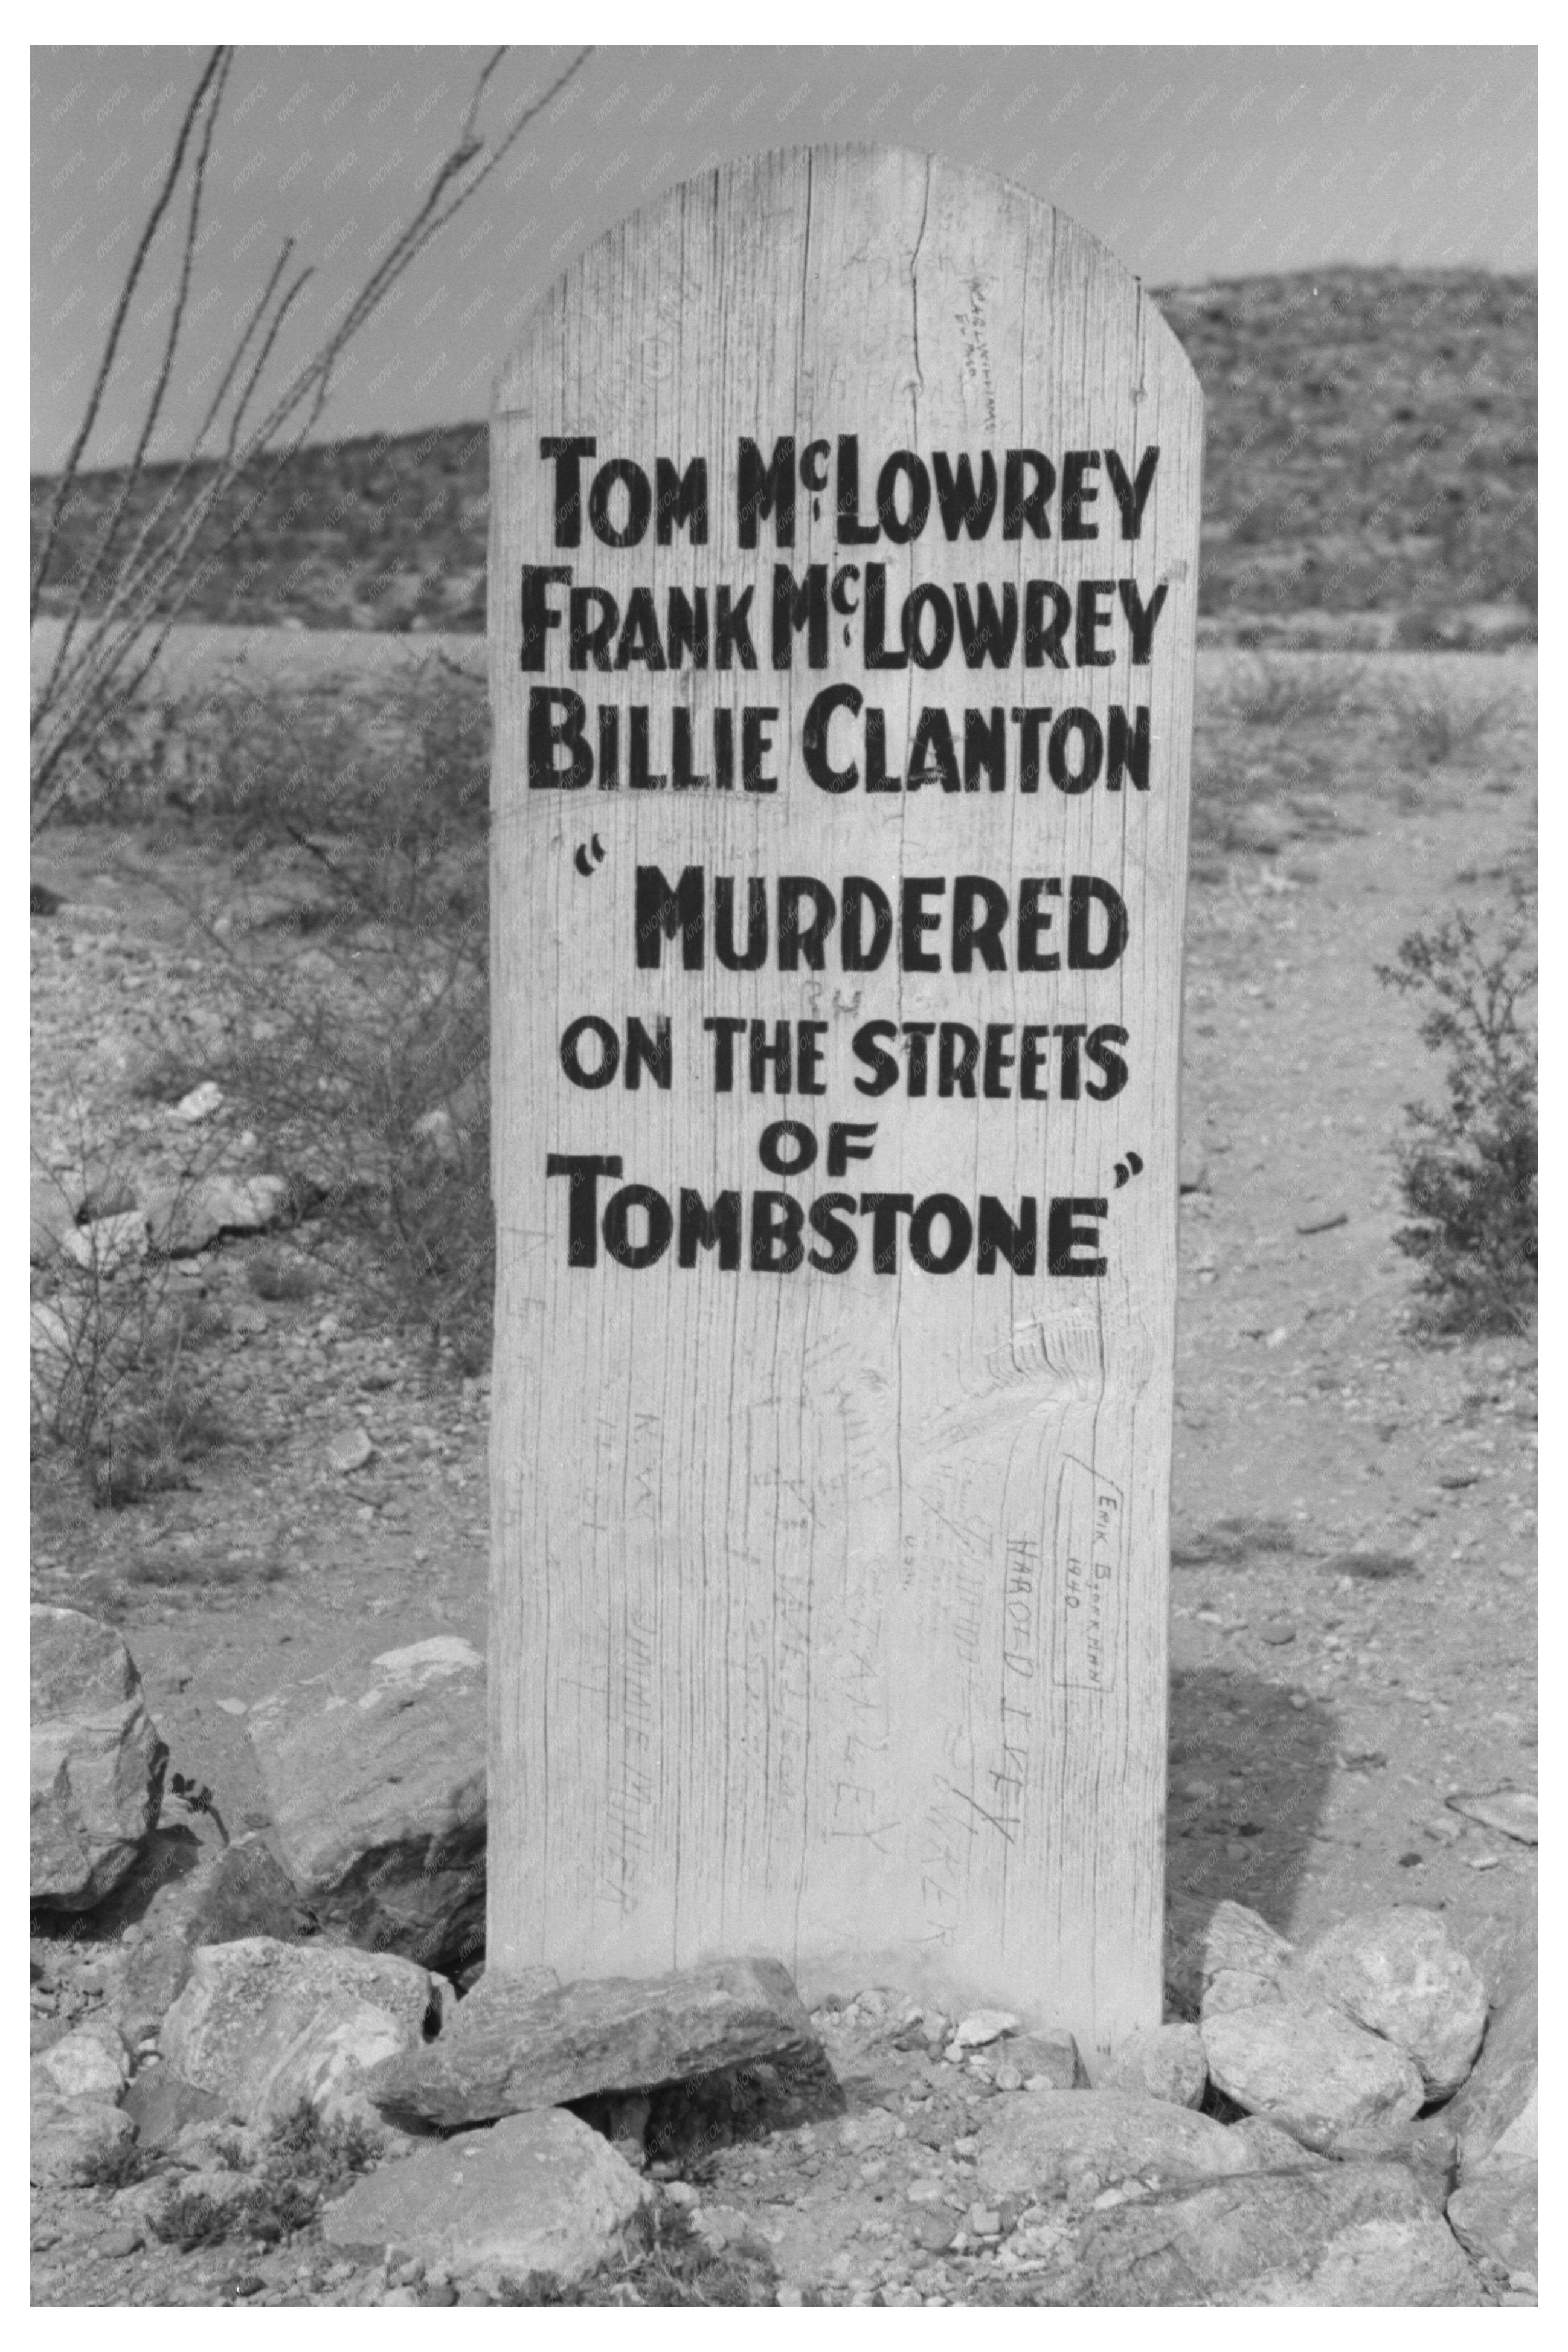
{"points": [[103, 659]]}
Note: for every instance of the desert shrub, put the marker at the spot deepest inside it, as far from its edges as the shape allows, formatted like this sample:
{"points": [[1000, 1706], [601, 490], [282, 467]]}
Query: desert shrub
{"points": [[382, 780], [663, 2264], [306, 2162], [366, 1075], [113, 1380], [358, 1057], [1468, 1169], [1433, 730]]}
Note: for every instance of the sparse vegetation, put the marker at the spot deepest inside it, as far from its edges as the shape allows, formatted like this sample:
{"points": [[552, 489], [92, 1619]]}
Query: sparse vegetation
{"points": [[1468, 1170], [665, 2265], [306, 2161], [113, 1380]]}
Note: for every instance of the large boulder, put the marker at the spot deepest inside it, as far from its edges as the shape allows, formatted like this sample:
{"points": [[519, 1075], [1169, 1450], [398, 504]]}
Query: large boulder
{"points": [[1033, 2144], [1395, 1972], [97, 1761], [1333, 2236], [518, 2043], [375, 1775], [1504, 2079], [183, 1894], [72, 2139], [262, 2025], [1496, 2209], [539, 2195], [1313, 2071]]}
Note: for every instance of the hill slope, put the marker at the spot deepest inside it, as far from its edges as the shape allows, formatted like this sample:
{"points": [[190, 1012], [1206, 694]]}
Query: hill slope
{"points": [[1370, 470]]}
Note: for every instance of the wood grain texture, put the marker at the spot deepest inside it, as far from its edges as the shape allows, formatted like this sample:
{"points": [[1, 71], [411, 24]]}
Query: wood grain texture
{"points": [[829, 1611]]}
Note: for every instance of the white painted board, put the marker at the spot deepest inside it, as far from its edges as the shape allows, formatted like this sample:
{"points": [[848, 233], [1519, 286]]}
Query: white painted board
{"points": [[832, 1426]]}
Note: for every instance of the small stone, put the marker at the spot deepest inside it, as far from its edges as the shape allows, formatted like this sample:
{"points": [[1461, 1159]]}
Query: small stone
{"points": [[1516, 1812], [1007, 2078], [84, 2066], [232, 1706], [983, 2026], [352, 1451], [1048, 2060], [1163, 2062], [1277, 1631], [116, 2245], [200, 1103]]}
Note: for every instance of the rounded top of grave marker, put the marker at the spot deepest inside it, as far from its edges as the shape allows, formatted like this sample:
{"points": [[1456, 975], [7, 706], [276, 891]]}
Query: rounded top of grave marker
{"points": [[750, 233]]}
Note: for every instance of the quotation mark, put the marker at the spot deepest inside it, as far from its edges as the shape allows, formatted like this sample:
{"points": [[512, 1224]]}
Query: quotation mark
{"points": [[1127, 1169], [587, 856]]}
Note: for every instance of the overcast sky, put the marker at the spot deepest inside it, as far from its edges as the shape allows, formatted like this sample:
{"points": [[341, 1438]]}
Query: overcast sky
{"points": [[1191, 163]]}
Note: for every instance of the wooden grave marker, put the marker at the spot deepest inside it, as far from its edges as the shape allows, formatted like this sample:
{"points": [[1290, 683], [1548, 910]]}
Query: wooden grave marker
{"points": [[842, 591]]}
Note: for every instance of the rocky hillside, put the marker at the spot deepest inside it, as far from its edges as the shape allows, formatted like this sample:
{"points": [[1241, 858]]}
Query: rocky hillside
{"points": [[1370, 473]]}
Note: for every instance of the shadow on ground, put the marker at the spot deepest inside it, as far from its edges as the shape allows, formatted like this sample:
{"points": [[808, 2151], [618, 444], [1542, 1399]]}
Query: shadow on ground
{"points": [[1249, 1775]]}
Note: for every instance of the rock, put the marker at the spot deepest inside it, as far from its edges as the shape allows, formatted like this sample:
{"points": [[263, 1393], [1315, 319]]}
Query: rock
{"points": [[1333, 2236], [1048, 2060], [1220, 1955], [86, 2065], [1515, 1812], [97, 1761], [1395, 1972], [1277, 1630], [1030, 2146], [1503, 2081], [1314, 2071], [376, 1779], [437, 1130], [161, 2103], [116, 2245], [69, 2138], [107, 1242], [1164, 2061], [181, 1896], [182, 1219], [51, 1214], [351, 1450], [510, 2047], [1269, 2149], [262, 2025], [1322, 1220], [108, 1195], [982, 2026], [538, 2194], [200, 1103], [1496, 2211], [1426, 2148]]}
